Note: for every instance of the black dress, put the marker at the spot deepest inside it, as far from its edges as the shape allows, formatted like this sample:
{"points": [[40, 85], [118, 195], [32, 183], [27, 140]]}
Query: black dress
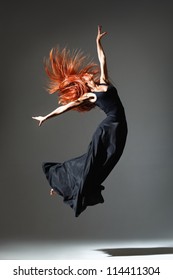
{"points": [[79, 180]]}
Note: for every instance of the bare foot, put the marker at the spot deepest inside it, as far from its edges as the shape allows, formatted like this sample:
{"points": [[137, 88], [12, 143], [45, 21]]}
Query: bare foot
{"points": [[52, 192]]}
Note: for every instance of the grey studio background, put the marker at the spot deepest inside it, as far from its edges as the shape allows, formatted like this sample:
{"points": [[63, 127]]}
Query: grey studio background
{"points": [[139, 46]]}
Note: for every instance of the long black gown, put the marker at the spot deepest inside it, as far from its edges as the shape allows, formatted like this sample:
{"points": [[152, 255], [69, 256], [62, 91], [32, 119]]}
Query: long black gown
{"points": [[79, 180]]}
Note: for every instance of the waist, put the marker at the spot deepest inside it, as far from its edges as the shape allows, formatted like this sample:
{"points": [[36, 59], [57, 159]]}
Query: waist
{"points": [[119, 113]]}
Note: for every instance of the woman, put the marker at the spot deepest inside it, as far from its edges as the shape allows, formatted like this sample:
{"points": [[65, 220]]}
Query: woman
{"points": [[79, 180]]}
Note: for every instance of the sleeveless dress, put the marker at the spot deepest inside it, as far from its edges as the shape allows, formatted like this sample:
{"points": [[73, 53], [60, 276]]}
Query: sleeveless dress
{"points": [[79, 180]]}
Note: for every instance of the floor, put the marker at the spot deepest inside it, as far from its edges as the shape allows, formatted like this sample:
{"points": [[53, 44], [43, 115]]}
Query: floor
{"points": [[86, 250]]}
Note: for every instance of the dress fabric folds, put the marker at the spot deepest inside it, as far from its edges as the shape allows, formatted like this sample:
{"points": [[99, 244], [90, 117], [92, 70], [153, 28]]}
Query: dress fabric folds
{"points": [[79, 180]]}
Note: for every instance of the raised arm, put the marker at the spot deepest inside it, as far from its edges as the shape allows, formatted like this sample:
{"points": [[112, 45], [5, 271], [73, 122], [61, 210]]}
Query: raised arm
{"points": [[64, 108], [101, 57]]}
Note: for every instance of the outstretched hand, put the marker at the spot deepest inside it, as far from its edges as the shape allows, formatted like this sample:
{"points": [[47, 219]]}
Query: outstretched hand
{"points": [[40, 119], [100, 34]]}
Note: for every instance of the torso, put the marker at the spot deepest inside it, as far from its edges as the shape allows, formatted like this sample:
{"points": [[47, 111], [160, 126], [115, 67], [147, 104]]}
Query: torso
{"points": [[107, 99]]}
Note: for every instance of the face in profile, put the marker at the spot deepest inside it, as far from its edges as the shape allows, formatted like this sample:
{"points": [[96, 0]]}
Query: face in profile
{"points": [[88, 78]]}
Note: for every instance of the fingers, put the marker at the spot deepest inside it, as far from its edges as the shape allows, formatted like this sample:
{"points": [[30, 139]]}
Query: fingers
{"points": [[52, 192], [100, 33], [99, 29], [38, 119], [40, 123]]}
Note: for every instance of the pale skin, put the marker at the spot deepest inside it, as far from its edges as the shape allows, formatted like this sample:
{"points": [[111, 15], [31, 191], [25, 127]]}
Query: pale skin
{"points": [[89, 96]]}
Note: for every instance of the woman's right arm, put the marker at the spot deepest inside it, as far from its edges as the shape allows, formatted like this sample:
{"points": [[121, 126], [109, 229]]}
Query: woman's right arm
{"points": [[54, 113], [64, 108], [102, 56]]}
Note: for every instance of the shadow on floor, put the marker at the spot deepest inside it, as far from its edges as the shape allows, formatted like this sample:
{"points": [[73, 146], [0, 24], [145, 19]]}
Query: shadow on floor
{"points": [[121, 252]]}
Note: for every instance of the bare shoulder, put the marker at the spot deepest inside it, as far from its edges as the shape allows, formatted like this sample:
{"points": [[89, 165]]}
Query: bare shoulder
{"points": [[91, 96], [88, 96]]}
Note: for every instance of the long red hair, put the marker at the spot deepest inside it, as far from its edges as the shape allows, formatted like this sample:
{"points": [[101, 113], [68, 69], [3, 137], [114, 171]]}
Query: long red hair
{"points": [[65, 71]]}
